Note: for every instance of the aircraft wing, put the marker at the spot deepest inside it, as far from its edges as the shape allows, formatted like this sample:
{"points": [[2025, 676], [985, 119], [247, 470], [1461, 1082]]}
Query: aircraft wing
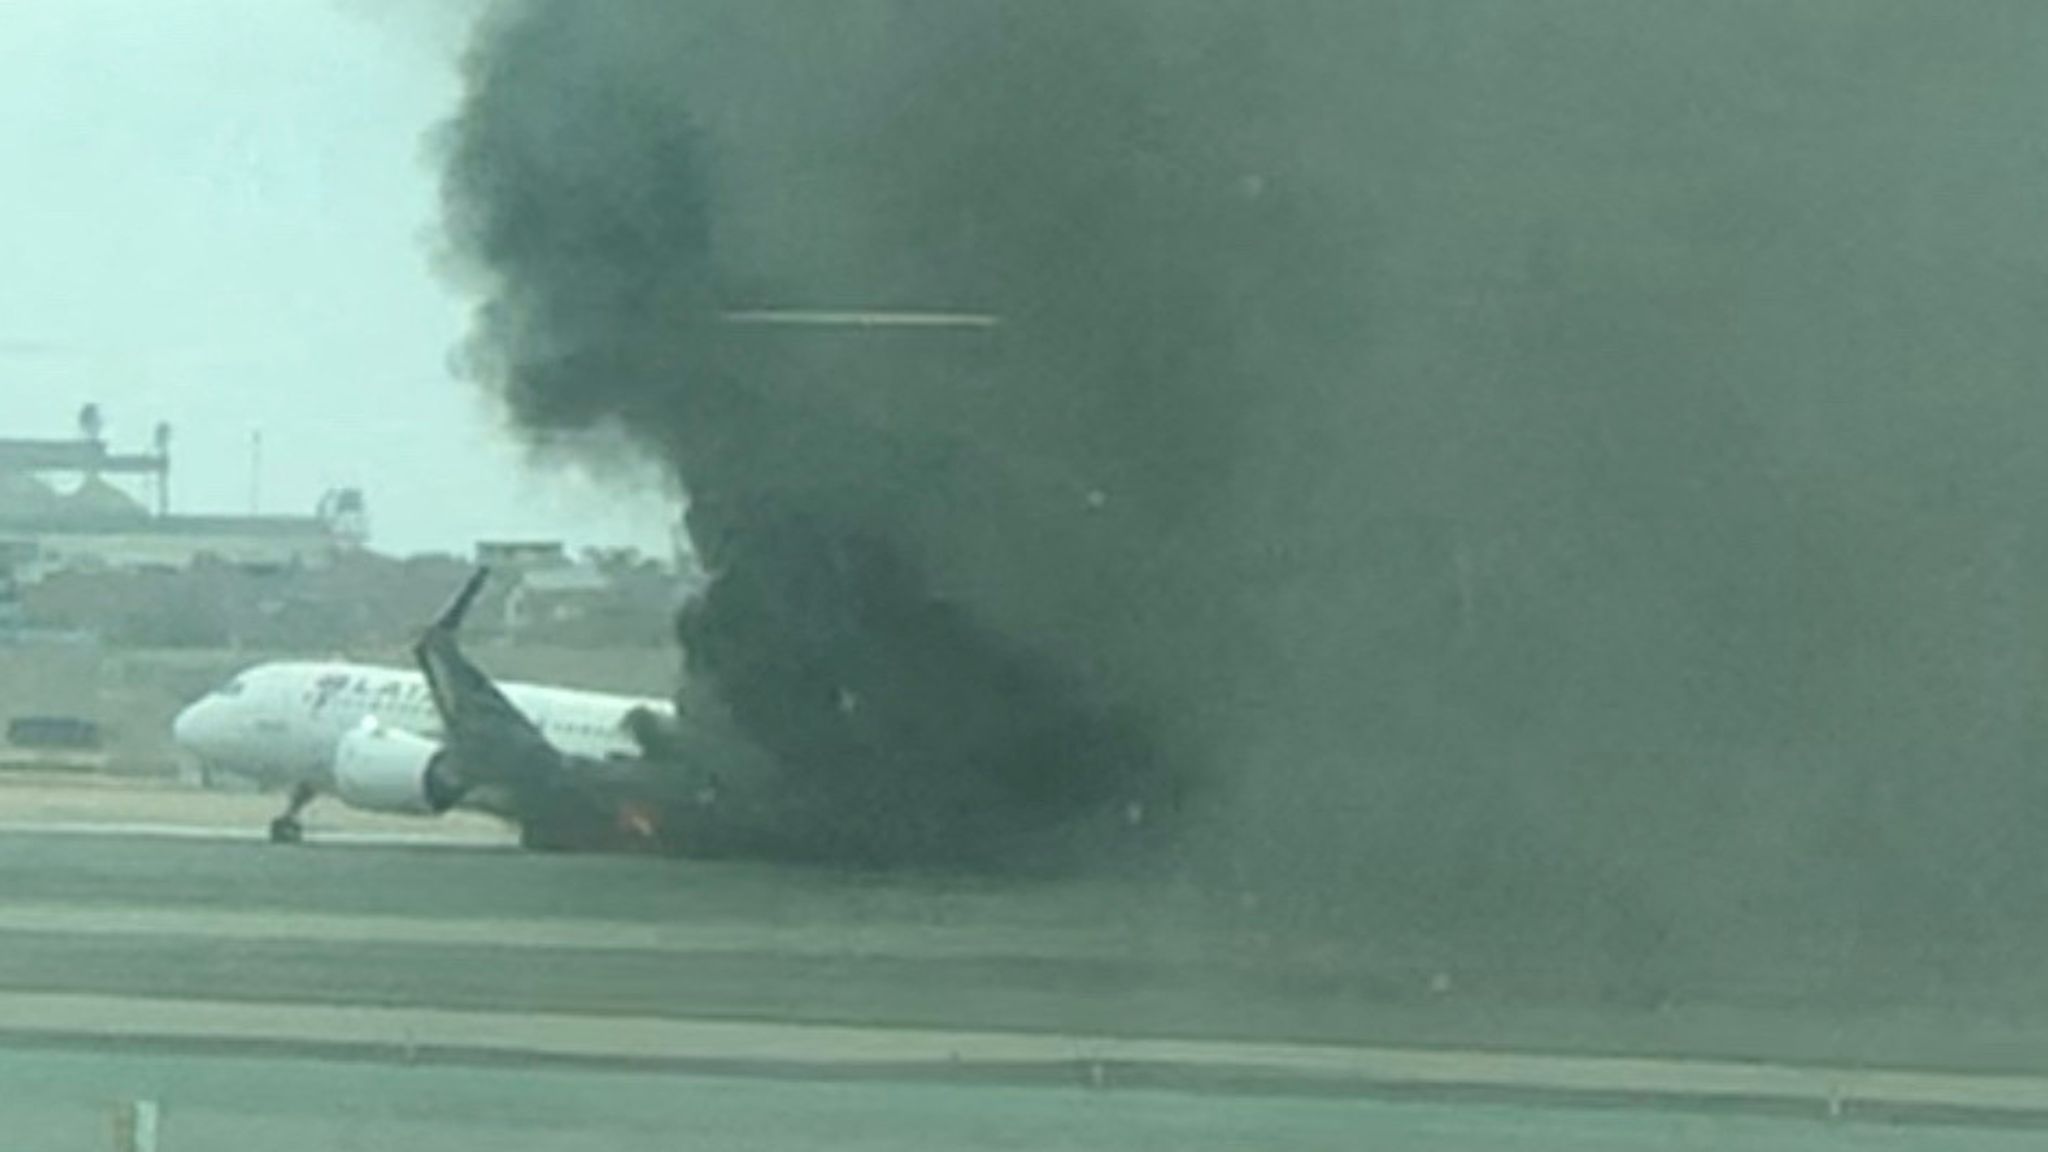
{"points": [[493, 740], [559, 801], [667, 799]]}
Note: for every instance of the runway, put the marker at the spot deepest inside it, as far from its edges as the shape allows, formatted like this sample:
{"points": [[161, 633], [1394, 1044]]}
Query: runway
{"points": [[150, 943], [218, 1104]]}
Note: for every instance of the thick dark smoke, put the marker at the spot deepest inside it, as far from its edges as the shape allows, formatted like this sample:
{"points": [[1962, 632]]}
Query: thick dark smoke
{"points": [[905, 528], [1551, 473]]}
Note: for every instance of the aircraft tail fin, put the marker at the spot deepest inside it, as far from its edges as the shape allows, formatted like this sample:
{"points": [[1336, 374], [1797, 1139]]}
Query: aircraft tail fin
{"points": [[451, 617], [477, 720]]}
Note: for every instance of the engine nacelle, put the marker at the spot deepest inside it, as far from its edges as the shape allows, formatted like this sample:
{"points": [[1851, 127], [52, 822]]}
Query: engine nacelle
{"points": [[659, 737], [383, 770]]}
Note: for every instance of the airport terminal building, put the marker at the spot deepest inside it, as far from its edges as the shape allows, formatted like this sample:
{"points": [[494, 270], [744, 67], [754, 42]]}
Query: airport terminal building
{"points": [[63, 508]]}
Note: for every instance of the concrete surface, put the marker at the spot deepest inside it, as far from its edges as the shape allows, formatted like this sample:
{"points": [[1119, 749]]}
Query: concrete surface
{"points": [[213, 1104], [909, 1054], [129, 923]]}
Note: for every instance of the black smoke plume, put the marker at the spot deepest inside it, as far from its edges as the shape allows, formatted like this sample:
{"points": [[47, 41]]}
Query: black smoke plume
{"points": [[910, 532], [1556, 473]]}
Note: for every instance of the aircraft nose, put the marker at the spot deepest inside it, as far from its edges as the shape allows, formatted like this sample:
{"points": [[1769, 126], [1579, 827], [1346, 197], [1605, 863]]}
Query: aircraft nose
{"points": [[190, 729]]}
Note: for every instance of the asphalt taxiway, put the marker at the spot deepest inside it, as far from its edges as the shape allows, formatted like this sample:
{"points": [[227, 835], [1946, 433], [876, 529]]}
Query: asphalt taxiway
{"points": [[232, 1104], [144, 951]]}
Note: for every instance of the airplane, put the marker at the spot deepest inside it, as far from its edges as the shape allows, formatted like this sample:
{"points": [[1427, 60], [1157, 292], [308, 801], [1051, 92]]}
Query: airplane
{"points": [[572, 769]]}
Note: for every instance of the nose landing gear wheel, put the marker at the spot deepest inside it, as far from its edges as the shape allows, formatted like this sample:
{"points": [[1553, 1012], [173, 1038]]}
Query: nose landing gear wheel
{"points": [[286, 829]]}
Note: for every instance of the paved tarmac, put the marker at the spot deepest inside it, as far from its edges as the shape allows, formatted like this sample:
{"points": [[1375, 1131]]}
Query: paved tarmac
{"points": [[774, 1003], [491, 928], [65, 1103]]}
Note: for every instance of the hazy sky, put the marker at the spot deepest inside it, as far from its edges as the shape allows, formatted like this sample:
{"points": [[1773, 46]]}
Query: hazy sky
{"points": [[221, 213]]}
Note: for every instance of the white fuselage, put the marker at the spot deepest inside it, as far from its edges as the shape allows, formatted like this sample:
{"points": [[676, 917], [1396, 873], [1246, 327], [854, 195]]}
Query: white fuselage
{"points": [[280, 724]]}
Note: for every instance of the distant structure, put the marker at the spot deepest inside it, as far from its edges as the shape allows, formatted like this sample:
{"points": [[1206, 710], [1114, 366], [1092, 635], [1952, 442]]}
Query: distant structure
{"points": [[598, 595], [554, 596], [12, 560], [522, 555], [61, 511], [522, 566]]}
